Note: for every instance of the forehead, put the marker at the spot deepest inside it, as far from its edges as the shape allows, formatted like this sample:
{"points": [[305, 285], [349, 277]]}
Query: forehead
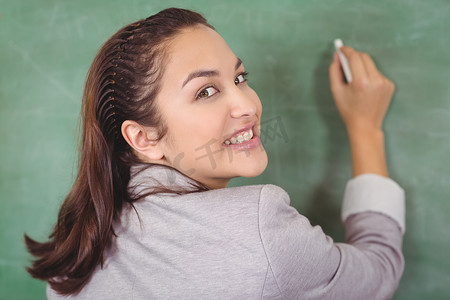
{"points": [[198, 47]]}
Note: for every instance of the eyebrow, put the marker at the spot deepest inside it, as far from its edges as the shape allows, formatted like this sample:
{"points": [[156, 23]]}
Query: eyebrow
{"points": [[208, 73]]}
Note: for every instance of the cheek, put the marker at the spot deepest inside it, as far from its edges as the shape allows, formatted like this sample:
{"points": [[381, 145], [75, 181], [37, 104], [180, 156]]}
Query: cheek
{"points": [[196, 128]]}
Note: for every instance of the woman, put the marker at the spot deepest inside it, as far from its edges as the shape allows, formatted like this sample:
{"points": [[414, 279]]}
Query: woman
{"points": [[149, 215]]}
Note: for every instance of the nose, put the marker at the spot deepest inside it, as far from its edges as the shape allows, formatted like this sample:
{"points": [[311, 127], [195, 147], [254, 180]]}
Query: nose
{"points": [[244, 102]]}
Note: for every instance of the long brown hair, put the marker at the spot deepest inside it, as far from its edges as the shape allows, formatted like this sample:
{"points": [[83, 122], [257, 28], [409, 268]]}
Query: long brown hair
{"points": [[121, 84]]}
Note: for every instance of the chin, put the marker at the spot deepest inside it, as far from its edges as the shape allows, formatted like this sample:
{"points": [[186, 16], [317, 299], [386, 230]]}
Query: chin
{"points": [[255, 168]]}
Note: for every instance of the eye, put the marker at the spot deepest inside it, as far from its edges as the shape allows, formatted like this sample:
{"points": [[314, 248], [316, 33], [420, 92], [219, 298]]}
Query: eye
{"points": [[207, 92], [241, 78]]}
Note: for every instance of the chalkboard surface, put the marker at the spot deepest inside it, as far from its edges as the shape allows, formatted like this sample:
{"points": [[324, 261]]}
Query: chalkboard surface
{"points": [[46, 47]]}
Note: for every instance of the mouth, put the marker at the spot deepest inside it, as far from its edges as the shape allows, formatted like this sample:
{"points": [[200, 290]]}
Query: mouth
{"points": [[244, 138], [240, 137]]}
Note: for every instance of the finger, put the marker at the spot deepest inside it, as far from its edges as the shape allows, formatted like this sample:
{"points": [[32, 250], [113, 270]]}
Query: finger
{"points": [[370, 67], [335, 73], [356, 62]]}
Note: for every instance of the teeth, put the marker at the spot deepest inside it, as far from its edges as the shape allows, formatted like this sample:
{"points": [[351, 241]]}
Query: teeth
{"points": [[242, 137]]}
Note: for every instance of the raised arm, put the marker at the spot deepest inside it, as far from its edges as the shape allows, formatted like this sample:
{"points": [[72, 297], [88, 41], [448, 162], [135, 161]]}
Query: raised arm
{"points": [[362, 105], [303, 261]]}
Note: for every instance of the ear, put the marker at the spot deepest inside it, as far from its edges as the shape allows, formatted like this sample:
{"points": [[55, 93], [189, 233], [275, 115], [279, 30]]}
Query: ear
{"points": [[143, 140]]}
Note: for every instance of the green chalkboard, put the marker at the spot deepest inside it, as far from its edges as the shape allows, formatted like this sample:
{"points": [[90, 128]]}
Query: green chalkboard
{"points": [[46, 47]]}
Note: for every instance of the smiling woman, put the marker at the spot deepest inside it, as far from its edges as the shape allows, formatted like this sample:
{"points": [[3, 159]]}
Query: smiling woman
{"points": [[214, 102], [150, 218]]}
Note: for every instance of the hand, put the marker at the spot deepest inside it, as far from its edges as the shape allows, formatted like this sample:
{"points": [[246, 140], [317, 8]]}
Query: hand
{"points": [[362, 103]]}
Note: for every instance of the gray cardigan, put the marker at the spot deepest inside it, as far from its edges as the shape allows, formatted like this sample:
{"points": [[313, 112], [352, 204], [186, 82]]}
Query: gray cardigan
{"points": [[249, 243]]}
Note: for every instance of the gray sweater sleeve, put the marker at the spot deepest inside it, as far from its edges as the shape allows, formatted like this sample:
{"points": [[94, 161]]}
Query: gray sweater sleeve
{"points": [[307, 264]]}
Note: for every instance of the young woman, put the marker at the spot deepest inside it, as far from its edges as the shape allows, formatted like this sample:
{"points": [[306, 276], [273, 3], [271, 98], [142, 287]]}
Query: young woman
{"points": [[149, 215]]}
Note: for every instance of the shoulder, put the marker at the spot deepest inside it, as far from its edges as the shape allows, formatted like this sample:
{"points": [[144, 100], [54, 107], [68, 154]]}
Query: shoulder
{"points": [[244, 204], [253, 191], [274, 193], [267, 203], [259, 195], [234, 206]]}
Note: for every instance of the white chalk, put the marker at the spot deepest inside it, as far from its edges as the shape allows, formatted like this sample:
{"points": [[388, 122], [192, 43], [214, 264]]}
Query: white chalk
{"points": [[344, 62]]}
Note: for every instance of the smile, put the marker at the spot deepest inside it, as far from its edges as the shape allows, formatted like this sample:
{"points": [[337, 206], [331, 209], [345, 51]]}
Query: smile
{"points": [[241, 137]]}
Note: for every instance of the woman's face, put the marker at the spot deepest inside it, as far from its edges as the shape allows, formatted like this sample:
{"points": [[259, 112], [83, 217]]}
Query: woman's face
{"points": [[212, 115]]}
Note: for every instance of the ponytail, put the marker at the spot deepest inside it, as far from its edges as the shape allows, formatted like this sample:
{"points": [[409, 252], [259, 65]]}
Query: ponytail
{"points": [[84, 224]]}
